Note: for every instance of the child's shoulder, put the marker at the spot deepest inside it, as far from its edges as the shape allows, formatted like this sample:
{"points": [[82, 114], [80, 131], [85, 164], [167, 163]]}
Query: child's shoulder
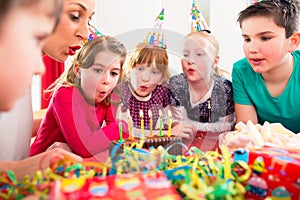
{"points": [[241, 64], [296, 55], [177, 79], [222, 82], [65, 90]]}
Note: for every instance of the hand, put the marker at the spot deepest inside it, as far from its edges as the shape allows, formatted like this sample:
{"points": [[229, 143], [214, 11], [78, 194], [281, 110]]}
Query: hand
{"points": [[185, 130], [60, 145], [30, 165], [48, 157]]}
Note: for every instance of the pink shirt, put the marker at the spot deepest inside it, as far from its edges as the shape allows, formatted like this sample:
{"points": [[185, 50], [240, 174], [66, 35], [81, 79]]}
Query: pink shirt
{"points": [[70, 119]]}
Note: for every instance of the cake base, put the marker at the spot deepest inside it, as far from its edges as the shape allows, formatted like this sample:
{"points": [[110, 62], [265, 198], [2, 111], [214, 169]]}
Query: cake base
{"points": [[154, 142]]}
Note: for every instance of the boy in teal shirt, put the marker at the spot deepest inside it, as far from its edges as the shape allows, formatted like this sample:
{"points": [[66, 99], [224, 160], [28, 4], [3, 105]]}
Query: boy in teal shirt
{"points": [[266, 84]]}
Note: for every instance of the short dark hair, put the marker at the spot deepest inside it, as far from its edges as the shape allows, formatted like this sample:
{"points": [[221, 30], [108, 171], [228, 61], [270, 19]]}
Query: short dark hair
{"points": [[285, 13]]}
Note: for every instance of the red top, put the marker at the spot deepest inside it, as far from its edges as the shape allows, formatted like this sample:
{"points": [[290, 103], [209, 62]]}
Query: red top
{"points": [[70, 119]]}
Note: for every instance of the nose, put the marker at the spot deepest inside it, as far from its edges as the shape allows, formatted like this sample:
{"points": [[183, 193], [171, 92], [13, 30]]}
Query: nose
{"points": [[253, 46], [105, 79], [190, 59], [145, 75], [83, 31]]}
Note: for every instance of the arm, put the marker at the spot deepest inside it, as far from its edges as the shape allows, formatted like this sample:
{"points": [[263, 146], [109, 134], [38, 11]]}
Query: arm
{"points": [[245, 113], [224, 124], [30, 165], [244, 108], [191, 127]]}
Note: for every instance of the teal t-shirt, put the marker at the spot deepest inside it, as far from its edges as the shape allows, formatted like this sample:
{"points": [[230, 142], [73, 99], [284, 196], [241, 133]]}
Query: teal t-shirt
{"points": [[249, 88]]}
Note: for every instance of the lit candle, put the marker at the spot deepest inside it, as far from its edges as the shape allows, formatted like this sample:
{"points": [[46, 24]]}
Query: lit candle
{"points": [[121, 132], [129, 124], [142, 122], [170, 123], [150, 116], [160, 123]]}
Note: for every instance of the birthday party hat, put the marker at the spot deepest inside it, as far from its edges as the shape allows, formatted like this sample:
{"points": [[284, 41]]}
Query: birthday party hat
{"points": [[251, 2], [157, 38], [93, 32], [198, 22]]}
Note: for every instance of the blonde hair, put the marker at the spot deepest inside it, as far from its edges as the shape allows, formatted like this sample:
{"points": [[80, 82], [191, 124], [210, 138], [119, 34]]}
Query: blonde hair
{"points": [[214, 48], [147, 54], [86, 58], [214, 44]]}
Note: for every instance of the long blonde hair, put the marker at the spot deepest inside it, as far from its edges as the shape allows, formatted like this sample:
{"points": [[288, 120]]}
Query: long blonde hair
{"points": [[86, 58]]}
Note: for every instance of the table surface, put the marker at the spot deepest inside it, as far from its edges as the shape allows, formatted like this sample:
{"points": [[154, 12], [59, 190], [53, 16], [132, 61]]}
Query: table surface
{"points": [[205, 141]]}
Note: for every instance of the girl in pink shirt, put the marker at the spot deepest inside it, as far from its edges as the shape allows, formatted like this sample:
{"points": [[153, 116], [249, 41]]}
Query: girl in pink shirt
{"points": [[81, 102]]}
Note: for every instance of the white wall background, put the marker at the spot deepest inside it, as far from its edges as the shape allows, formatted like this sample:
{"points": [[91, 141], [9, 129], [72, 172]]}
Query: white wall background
{"points": [[129, 21]]}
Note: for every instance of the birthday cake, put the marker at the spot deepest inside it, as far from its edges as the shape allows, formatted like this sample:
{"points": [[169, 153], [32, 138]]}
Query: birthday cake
{"points": [[171, 144]]}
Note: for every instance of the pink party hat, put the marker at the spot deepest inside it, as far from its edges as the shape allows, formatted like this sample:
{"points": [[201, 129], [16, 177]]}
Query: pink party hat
{"points": [[154, 38], [198, 22]]}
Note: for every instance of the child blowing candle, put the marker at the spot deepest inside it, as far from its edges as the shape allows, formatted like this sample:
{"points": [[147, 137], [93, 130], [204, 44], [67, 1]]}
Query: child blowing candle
{"points": [[81, 102], [203, 97], [145, 83], [145, 86]]}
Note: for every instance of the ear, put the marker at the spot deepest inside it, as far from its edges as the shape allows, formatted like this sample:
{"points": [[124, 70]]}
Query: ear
{"points": [[216, 60], [294, 42], [76, 70]]}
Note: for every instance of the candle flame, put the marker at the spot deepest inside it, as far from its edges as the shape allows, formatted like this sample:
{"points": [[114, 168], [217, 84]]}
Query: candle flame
{"points": [[160, 113], [128, 113], [150, 113], [141, 113], [169, 113]]}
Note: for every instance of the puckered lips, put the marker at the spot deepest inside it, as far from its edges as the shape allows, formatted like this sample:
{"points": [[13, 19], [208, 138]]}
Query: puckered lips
{"points": [[190, 70], [73, 49]]}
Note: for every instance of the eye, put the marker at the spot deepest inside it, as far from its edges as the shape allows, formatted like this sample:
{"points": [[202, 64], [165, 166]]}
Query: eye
{"points": [[115, 73], [247, 40], [199, 54], [265, 38], [155, 71], [185, 54], [140, 68], [98, 70], [74, 16]]}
